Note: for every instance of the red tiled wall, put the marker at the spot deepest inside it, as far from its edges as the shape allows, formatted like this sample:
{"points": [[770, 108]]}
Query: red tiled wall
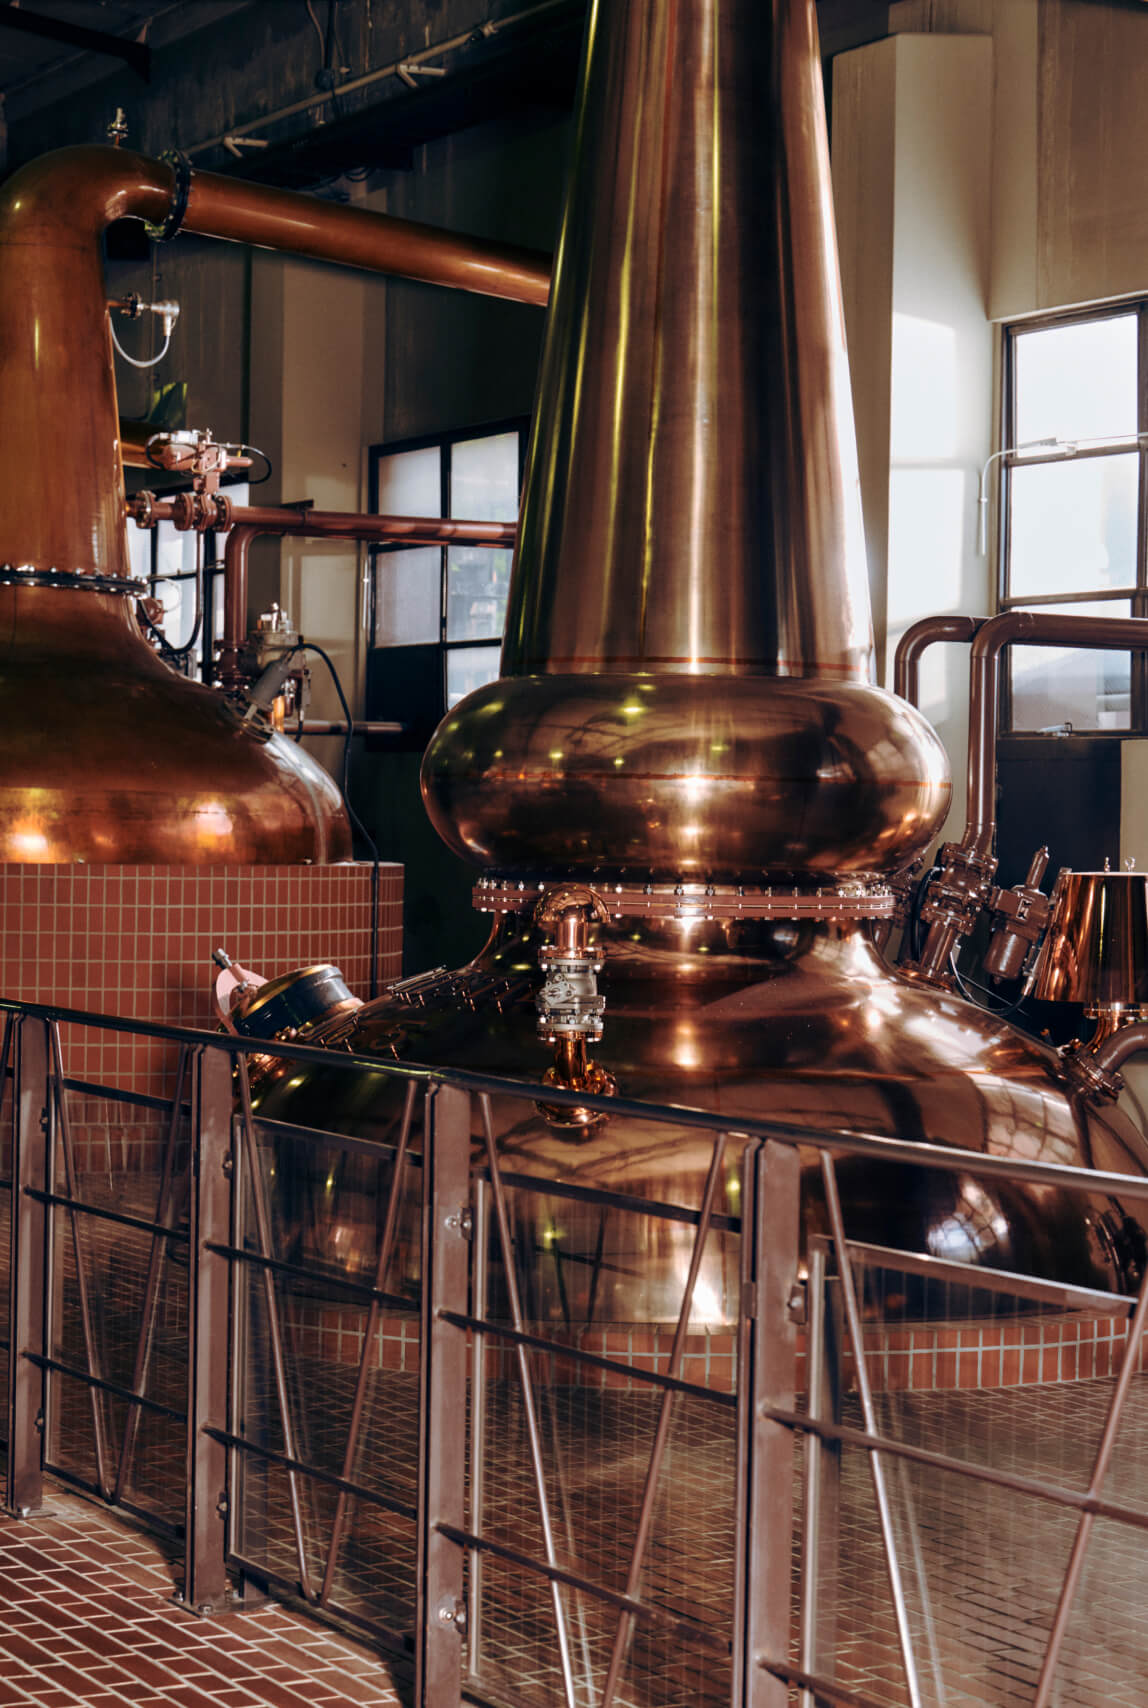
{"points": [[972, 1356], [136, 941]]}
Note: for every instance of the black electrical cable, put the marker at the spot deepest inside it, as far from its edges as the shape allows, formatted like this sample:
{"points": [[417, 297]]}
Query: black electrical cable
{"points": [[255, 451], [914, 929], [968, 986], [356, 821], [178, 656]]}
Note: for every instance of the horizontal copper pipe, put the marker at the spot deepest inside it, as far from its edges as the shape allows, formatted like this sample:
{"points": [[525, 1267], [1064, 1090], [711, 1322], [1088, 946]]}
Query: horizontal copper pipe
{"points": [[916, 640], [355, 237], [250, 522], [371, 726], [354, 525]]}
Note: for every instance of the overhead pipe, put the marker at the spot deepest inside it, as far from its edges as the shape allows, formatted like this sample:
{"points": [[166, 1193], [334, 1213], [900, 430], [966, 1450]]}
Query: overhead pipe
{"points": [[55, 352]]}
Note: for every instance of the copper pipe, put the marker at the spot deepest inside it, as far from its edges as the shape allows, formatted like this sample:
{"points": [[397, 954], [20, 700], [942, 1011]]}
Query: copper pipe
{"points": [[271, 218], [1111, 1055], [55, 352], [972, 862], [916, 640], [134, 436], [1022, 628], [372, 726], [250, 522], [348, 524]]}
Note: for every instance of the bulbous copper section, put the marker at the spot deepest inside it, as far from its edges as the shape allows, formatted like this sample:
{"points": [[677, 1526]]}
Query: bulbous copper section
{"points": [[108, 756], [685, 776], [691, 520]]}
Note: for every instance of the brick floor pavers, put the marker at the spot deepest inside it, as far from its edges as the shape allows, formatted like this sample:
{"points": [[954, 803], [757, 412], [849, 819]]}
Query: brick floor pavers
{"points": [[86, 1617]]}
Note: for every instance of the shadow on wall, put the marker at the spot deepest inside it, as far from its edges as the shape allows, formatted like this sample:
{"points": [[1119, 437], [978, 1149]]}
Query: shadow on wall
{"points": [[440, 926]]}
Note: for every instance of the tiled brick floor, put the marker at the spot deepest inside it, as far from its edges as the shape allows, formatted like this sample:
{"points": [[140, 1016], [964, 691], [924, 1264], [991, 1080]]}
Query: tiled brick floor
{"points": [[86, 1618]]}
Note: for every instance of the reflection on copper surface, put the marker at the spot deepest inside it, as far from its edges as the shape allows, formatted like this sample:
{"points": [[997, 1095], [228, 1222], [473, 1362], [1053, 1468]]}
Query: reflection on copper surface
{"points": [[109, 756], [688, 622], [1096, 949]]}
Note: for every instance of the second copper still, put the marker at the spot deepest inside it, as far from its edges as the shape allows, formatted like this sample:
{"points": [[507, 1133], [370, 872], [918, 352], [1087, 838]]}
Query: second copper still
{"points": [[685, 795]]}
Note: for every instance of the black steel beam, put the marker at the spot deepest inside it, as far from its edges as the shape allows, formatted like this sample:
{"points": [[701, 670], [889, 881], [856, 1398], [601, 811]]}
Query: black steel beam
{"points": [[135, 54]]}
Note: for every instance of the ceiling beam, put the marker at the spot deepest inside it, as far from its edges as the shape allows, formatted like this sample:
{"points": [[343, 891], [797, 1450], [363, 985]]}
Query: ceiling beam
{"points": [[135, 54]]}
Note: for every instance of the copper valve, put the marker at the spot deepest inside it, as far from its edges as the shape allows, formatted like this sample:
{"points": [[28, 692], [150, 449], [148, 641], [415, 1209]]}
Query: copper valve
{"points": [[570, 1010], [1019, 918]]}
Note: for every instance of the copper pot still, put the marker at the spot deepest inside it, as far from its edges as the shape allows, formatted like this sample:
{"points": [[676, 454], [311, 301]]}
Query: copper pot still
{"points": [[685, 794], [107, 756]]}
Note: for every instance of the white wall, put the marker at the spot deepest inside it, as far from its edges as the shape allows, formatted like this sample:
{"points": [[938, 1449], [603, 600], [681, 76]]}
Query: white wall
{"points": [[912, 129]]}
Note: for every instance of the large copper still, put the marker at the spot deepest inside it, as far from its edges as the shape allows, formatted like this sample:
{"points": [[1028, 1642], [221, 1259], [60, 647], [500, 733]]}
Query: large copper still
{"points": [[107, 755], [686, 795]]}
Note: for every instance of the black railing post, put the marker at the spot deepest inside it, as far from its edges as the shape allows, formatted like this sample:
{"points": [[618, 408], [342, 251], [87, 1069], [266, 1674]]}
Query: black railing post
{"points": [[774, 1300], [205, 1576], [29, 1276], [447, 1229]]}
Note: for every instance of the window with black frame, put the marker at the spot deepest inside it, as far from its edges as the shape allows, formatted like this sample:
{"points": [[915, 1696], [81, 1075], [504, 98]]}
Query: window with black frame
{"points": [[438, 612], [1072, 512]]}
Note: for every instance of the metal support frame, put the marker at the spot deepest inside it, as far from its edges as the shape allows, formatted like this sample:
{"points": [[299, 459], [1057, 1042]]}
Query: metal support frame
{"points": [[168, 1201], [852, 1310], [382, 1269], [91, 1346], [209, 1311], [226, 1172], [30, 1266], [529, 1403], [442, 1456], [772, 1225], [625, 1625], [253, 1175]]}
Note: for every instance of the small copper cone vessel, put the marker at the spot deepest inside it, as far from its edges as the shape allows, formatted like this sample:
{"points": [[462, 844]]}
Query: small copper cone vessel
{"points": [[685, 730], [1096, 949]]}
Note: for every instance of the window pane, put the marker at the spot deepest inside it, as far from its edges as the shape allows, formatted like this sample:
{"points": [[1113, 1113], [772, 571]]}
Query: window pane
{"points": [[410, 483], [175, 550], [1054, 685], [1077, 382], [139, 551], [1073, 525], [477, 578], [408, 589], [178, 610], [484, 478], [468, 668]]}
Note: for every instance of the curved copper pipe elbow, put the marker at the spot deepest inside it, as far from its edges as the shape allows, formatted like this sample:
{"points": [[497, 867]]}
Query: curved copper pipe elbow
{"points": [[916, 640], [61, 480], [77, 192]]}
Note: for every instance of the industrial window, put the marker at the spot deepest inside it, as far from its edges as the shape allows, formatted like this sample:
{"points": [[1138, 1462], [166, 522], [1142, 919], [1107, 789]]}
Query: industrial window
{"points": [[438, 612], [1073, 507]]}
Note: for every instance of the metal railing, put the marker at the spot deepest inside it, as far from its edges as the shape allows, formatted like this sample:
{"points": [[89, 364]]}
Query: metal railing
{"points": [[522, 1506]]}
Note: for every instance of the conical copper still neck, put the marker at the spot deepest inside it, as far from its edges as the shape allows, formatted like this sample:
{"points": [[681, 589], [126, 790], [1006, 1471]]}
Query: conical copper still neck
{"points": [[692, 500], [685, 690]]}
